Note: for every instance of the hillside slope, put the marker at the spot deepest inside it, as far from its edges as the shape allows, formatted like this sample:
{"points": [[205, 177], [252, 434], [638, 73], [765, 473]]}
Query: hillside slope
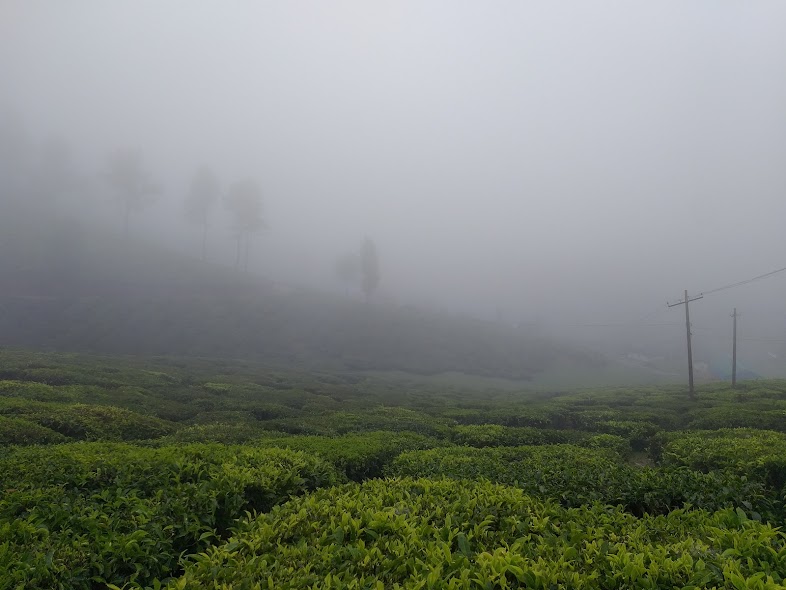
{"points": [[67, 291]]}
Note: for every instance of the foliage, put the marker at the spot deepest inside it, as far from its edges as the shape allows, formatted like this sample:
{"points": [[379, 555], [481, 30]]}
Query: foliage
{"points": [[360, 456], [759, 454], [575, 476], [216, 438], [15, 431], [75, 515], [737, 417], [437, 534], [496, 435], [638, 434], [92, 422], [218, 432], [393, 419]]}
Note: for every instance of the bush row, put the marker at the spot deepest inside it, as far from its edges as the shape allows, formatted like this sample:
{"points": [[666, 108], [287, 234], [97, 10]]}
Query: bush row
{"points": [[575, 476], [476, 535], [758, 454], [85, 515]]}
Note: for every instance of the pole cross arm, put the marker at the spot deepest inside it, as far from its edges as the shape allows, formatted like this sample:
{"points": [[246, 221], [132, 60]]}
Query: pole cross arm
{"points": [[683, 302]]}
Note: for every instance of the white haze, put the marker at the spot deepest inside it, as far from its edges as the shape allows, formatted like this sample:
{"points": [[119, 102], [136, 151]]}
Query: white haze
{"points": [[553, 163]]}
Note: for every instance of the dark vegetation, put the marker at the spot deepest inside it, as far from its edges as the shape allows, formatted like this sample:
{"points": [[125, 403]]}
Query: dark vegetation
{"points": [[143, 473]]}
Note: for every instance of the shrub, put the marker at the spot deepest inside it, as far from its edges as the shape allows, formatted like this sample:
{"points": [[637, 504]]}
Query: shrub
{"points": [[759, 454], [16, 431], [94, 423], [496, 435], [79, 515], [360, 456], [440, 535], [576, 476]]}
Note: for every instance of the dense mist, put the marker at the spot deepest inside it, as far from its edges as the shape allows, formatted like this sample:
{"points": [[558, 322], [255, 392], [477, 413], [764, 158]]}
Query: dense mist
{"points": [[566, 168]]}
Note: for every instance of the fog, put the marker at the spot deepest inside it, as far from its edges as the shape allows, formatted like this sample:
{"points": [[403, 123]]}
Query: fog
{"points": [[566, 166]]}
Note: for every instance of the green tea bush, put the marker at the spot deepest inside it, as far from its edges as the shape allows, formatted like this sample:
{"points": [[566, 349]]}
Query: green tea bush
{"points": [[575, 476], [84, 515], [759, 454], [477, 535], [94, 422], [736, 417], [392, 419], [16, 431], [29, 390], [638, 434], [496, 435], [360, 456], [516, 416], [567, 473], [618, 444], [219, 432]]}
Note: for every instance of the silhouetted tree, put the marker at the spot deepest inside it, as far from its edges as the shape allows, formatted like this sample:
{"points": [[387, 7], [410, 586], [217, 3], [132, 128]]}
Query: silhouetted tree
{"points": [[133, 186], [348, 269], [369, 267], [244, 200], [202, 195]]}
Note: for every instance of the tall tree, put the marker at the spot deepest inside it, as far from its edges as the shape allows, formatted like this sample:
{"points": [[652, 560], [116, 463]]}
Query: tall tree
{"points": [[131, 182], [369, 267], [199, 201], [244, 201]]}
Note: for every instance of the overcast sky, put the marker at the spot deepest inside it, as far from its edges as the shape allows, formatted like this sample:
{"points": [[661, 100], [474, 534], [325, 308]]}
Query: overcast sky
{"points": [[562, 161]]}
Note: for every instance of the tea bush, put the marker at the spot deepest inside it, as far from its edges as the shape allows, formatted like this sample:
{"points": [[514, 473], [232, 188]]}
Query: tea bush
{"points": [[496, 435], [474, 535], [360, 456], [78, 515], [15, 431], [759, 454], [575, 476], [91, 422]]}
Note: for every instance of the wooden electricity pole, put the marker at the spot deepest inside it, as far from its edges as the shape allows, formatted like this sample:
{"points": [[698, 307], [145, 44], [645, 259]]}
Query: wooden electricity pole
{"points": [[734, 351], [687, 328]]}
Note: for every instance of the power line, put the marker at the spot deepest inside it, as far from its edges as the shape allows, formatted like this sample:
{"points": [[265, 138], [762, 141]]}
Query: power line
{"points": [[614, 325], [745, 282]]}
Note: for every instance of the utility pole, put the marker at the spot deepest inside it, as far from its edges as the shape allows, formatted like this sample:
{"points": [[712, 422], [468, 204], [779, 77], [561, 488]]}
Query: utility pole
{"points": [[734, 352], [691, 391]]}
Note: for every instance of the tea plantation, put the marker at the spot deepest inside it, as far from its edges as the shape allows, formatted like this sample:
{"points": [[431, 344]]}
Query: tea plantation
{"points": [[178, 474]]}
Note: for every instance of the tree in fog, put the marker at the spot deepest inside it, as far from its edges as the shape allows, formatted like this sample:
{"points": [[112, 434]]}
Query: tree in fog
{"points": [[133, 187], [200, 199], [244, 201], [348, 269], [369, 267]]}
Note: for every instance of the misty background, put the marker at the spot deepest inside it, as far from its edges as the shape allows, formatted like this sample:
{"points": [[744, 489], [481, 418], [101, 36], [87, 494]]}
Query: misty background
{"points": [[565, 168]]}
